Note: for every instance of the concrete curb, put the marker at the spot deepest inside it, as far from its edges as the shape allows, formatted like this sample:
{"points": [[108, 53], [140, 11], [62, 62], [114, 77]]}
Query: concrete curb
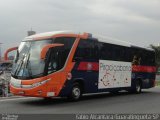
{"points": [[10, 97]]}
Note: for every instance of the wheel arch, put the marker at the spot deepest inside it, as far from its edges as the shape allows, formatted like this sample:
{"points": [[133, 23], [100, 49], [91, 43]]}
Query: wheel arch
{"points": [[80, 81], [140, 81]]}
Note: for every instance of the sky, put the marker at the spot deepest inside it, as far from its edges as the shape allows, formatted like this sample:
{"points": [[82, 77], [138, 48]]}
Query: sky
{"points": [[135, 21]]}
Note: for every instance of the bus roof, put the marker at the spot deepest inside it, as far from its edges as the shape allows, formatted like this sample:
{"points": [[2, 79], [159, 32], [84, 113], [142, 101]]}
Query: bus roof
{"points": [[114, 41], [111, 40], [48, 34], [100, 38]]}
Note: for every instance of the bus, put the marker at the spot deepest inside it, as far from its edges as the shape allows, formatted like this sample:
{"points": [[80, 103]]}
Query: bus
{"points": [[68, 64]]}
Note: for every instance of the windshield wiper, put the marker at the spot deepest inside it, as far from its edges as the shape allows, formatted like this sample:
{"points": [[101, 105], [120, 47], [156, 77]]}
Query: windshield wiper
{"points": [[28, 66], [19, 67], [17, 56]]}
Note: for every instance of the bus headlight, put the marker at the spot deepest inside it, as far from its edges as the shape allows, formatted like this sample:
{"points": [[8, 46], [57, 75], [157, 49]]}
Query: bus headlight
{"points": [[35, 84], [16, 83], [39, 83]]}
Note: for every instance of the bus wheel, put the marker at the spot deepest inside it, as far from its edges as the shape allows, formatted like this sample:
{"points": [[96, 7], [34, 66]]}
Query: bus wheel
{"points": [[76, 93], [138, 87]]}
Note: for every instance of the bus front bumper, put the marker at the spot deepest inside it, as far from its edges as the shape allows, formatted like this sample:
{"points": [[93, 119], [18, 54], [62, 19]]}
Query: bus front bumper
{"points": [[40, 91]]}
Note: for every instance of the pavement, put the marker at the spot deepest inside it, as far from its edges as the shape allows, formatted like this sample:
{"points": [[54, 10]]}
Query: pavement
{"points": [[10, 97], [146, 102]]}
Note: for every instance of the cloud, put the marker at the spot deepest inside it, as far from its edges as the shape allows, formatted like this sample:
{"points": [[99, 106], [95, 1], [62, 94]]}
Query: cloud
{"points": [[136, 21]]}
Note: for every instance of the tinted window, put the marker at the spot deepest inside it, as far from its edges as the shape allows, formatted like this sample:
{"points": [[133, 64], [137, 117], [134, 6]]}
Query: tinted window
{"points": [[148, 58], [59, 55], [67, 41], [112, 52], [86, 50], [136, 55], [142, 57]]}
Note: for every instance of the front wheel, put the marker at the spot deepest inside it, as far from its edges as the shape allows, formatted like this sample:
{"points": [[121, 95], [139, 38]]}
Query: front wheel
{"points": [[76, 93]]}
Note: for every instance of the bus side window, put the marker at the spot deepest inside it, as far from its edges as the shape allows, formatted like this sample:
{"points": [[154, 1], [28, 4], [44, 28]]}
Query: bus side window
{"points": [[105, 51], [117, 53], [85, 50], [150, 58]]}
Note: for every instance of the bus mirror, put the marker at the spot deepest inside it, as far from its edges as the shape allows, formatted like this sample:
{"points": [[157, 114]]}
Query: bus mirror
{"points": [[7, 51], [47, 47]]}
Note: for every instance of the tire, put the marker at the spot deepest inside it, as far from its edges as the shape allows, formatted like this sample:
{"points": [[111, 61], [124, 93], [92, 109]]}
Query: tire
{"points": [[137, 88], [76, 93]]}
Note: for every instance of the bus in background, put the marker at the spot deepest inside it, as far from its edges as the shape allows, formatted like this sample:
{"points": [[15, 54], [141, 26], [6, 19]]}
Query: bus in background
{"points": [[68, 64]]}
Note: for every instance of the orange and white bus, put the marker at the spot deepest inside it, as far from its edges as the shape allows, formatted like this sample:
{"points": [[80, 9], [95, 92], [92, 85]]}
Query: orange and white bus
{"points": [[68, 64]]}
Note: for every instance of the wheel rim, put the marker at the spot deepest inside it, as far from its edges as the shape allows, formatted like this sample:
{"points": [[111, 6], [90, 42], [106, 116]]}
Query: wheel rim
{"points": [[76, 92]]}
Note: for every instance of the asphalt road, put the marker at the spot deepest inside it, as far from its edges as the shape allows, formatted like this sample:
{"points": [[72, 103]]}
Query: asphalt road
{"points": [[146, 102]]}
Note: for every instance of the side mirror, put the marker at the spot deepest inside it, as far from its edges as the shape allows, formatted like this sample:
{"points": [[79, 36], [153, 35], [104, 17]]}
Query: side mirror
{"points": [[47, 47], [7, 51]]}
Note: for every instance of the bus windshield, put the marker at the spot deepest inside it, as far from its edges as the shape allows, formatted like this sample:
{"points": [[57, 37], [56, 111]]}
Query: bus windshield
{"points": [[28, 64]]}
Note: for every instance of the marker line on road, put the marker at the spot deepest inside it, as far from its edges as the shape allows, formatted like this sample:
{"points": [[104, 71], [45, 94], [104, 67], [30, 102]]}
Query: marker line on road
{"points": [[18, 98]]}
